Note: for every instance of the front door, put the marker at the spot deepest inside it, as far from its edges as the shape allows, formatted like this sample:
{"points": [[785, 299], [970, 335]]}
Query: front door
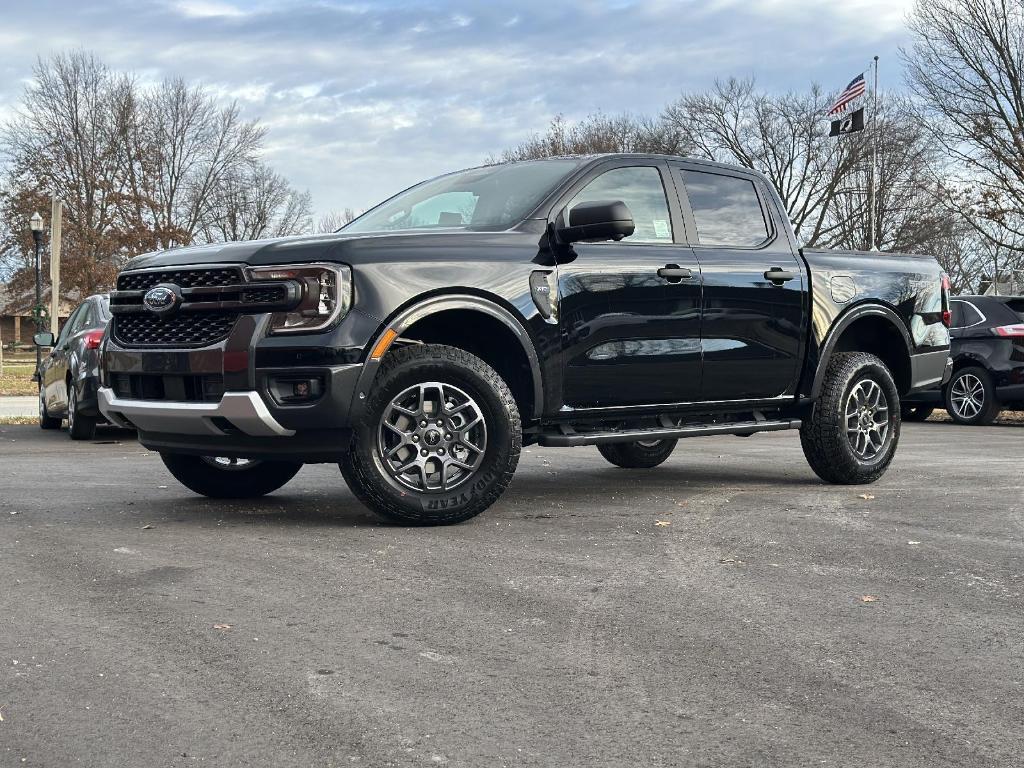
{"points": [[630, 310], [755, 287]]}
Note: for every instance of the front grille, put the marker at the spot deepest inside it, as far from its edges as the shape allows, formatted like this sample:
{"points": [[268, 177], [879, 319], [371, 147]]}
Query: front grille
{"points": [[189, 388], [183, 278], [270, 294], [193, 329]]}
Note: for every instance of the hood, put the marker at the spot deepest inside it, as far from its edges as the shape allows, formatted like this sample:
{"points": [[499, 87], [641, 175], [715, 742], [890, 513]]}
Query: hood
{"points": [[334, 247]]}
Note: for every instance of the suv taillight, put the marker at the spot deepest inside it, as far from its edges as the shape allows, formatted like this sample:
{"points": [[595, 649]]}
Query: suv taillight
{"points": [[93, 338], [947, 316], [1014, 331]]}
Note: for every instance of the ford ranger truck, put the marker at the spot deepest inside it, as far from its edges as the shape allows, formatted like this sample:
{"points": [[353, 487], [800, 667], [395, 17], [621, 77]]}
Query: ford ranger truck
{"points": [[616, 301]]}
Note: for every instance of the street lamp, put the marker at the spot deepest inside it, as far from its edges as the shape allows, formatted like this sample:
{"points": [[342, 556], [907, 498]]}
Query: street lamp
{"points": [[36, 225]]}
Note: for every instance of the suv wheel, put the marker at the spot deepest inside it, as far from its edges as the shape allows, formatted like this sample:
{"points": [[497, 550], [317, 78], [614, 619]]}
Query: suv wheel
{"points": [[80, 426], [854, 427], [45, 420], [641, 454], [223, 478], [439, 439], [971, 398]]}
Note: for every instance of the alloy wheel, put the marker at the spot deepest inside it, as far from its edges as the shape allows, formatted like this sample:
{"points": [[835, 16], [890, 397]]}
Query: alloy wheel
{"points": [[432, 437], [867, 419], [967, 396]]}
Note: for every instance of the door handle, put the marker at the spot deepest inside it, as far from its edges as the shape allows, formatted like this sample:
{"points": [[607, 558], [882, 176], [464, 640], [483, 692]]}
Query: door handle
{"points": [[674, 273], [779, 276]]}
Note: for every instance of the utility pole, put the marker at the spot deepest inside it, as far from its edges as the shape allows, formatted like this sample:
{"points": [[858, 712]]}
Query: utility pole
{"points": [[873, 215]]}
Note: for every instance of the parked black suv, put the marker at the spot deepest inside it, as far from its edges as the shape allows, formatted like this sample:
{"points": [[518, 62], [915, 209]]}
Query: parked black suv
{"points": [[988, 361], [622, 301]]}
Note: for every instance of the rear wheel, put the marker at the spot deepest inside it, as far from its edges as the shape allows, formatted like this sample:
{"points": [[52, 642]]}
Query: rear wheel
{"points": [[916, 412], [854, 427], [439, 439], [225, 478], [971, 397], [641, 454], [80, 426], [45, 420]]}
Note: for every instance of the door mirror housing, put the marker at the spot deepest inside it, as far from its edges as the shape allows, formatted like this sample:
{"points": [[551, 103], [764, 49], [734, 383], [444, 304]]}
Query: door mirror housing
{"points": [[44, 339], [598, 220]]}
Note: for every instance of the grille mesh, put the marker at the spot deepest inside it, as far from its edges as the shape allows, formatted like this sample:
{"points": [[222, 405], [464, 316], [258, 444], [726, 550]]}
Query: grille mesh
{"points": [[184, 278], [196, 329]]}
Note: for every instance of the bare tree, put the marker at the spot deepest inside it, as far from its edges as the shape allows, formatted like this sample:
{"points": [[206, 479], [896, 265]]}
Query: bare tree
{"points": [[597, 134], [254, 202], [967, 66], [332, 221]]}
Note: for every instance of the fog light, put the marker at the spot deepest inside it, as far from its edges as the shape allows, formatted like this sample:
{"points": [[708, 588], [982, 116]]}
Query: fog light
{"points": [[296, 389]]}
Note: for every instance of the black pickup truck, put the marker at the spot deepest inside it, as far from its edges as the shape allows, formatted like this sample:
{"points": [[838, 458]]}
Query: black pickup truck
{"points": [[620, 301]]}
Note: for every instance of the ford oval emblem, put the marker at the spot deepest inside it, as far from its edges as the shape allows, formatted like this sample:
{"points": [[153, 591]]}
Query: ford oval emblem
{"points": [[161, 299]]}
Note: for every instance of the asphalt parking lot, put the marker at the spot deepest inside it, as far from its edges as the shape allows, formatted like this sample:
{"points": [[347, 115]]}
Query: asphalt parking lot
{"points": [[715, 611]]}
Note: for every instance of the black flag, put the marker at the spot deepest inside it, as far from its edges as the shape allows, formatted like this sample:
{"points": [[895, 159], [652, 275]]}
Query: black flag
{"points": [[850, 123]]}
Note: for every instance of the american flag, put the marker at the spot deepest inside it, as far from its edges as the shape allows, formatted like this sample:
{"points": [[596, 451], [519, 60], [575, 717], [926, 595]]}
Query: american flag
{"points": [[853, 91]]}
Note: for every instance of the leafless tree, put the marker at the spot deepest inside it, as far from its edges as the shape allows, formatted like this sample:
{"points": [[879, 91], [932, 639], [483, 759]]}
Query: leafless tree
{"points": [[597, 134], [254, 202], [967, 67], [332, 221]]}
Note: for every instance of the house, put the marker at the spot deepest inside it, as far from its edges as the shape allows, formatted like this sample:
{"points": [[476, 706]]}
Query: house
{"points": [[16, 323]]}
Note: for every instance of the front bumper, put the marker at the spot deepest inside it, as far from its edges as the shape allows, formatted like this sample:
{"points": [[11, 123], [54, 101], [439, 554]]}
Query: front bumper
{"points": [[244, 412]]}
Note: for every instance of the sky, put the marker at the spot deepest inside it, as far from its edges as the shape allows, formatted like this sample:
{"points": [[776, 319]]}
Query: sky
{"points": [[364, 98]]}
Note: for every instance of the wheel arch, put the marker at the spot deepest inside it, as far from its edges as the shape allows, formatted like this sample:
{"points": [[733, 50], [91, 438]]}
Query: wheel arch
{"points": [[872, 328], [427, 320]]}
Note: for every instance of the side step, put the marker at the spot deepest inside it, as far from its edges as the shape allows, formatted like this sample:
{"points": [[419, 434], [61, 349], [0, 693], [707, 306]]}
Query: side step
{"points": [[567, 437]]}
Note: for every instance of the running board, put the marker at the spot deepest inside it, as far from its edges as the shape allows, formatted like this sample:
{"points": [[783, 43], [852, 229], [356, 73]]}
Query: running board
{"points": [[567, 437]]}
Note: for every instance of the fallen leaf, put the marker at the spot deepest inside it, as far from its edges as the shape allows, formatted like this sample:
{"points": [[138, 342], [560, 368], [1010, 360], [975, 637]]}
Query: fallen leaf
{"points": [[866, 496], [869, 599], [663, 522], [912, 543], [146, 527], [731, 560], [222, 626]]}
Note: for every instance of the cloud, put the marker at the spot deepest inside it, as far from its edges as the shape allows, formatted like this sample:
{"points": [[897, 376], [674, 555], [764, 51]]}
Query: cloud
{"points": [[361, 99]]}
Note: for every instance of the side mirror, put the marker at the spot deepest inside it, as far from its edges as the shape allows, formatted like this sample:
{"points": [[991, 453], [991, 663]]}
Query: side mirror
{"points": [[599, 220], [44, 339]]}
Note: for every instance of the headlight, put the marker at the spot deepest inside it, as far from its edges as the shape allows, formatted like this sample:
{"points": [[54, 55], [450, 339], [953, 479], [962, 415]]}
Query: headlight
{"points": [[325, 295]]}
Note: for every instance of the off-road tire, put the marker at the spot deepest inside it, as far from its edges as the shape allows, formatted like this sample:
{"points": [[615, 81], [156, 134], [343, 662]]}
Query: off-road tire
{"points": [[636, 455], [916, 412], [80, 426], [45, 420], [990, 407], [823, 434], [405, 367], [199, 475]]}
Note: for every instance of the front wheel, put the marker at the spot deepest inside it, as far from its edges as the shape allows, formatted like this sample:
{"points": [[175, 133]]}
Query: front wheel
{"points": [[223, 478], [46, 421], [439, 439], [971, 397], [854, 426], [640, 454]]}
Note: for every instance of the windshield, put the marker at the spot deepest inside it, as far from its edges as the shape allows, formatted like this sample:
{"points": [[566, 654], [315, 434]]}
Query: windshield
{"points": [[491, 198]]}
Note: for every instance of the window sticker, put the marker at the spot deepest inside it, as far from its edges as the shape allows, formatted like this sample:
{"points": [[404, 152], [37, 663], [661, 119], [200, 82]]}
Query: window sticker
{"points": [[661, 230]]}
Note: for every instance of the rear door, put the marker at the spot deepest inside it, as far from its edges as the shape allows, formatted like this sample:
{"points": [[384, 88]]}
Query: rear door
{"points": [[630, 310], [755, 291]]}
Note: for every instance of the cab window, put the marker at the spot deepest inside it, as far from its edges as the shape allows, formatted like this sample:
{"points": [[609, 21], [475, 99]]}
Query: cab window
{"points": [[641, 189], [726, 210]]}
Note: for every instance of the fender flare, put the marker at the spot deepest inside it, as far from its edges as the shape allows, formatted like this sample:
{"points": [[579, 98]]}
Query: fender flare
{"points": [[404, 319], [845, 321]]}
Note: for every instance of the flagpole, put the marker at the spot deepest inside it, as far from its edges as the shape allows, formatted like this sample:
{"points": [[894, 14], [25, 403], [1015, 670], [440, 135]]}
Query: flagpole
{"points": [[873, 223]]}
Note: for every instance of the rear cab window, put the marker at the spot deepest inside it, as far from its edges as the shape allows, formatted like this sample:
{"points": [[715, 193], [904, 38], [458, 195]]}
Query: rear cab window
{"points": [[726, 209]]}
